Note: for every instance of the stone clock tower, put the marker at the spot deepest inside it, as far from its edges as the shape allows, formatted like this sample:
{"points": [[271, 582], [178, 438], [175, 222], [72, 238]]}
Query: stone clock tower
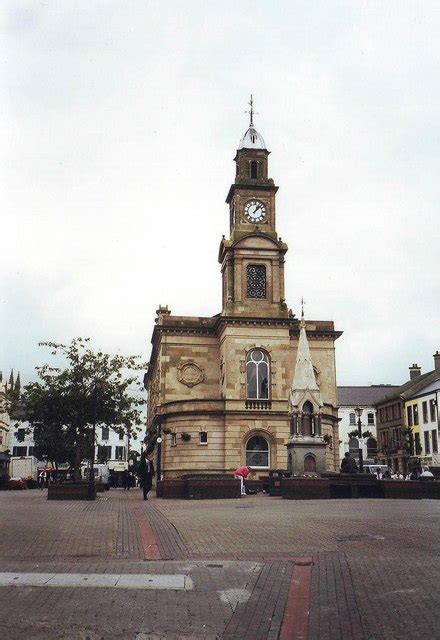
{"points": [[253, 258], [232, 389]]}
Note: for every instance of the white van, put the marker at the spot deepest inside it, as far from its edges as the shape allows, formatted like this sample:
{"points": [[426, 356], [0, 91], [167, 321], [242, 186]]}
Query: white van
{"points": [[102, 474], [375, 469]]}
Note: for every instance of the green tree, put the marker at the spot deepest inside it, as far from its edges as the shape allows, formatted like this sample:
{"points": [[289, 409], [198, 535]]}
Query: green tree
{"points": [[133, 460], [355, 434], [65, 405]]}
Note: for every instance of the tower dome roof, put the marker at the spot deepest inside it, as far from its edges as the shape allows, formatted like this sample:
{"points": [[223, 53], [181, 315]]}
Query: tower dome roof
{"points": [[252, 140]]}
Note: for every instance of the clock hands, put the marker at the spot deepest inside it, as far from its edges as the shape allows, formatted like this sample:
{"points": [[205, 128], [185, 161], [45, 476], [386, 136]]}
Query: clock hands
{"points": [[255, 211]]}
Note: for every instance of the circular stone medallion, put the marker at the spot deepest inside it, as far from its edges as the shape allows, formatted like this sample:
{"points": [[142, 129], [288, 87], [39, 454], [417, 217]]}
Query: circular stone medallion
{"points": [[190, 373]]}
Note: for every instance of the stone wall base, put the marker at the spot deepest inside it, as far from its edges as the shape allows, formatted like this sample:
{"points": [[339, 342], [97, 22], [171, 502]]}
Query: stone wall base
{"points": [[356, 486], [198, 488], [66, 491]]}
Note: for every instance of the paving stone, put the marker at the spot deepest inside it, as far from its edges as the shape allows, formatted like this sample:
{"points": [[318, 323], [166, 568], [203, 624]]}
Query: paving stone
{"points": [[375, 568]]}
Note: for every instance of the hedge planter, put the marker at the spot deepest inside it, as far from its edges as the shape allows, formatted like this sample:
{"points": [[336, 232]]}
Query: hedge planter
{"points": [[404, 489], [198, 489], [159, 488], [65, 491], [172, 488], [331, 485], [340, 486], [430, 488], [305, 488]]}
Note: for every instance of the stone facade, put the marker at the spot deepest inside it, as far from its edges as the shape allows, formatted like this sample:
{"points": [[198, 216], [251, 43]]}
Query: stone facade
{"points": [[224, 381]]}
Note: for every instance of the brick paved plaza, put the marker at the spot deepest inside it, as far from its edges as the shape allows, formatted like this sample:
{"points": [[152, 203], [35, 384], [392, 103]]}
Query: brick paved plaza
{"points": [[258, 567]]}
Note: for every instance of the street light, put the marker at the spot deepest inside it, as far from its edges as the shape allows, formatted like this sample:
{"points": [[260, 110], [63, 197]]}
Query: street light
{"points": [[359, 426], [91, 485]]}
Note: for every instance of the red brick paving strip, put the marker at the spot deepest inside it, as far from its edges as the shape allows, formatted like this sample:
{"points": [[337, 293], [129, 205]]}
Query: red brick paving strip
{"points": [[148, 539], [296, 616], [261, 616]]}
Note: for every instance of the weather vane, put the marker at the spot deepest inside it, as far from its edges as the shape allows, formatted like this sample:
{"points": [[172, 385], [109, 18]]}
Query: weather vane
{"points": [[251, 111]]}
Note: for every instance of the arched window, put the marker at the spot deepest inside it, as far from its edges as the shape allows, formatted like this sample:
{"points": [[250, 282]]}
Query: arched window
{"points": [[310, 464], [253, 169], [257, 452], [353, 446], [307, 419], [257, 375], [371, 447]]}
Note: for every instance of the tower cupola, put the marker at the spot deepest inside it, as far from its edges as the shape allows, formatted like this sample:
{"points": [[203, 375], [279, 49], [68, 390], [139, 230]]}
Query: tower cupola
{"points": [[252, 140]]}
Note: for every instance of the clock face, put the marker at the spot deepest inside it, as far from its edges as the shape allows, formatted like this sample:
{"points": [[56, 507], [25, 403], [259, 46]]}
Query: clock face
{"points": [[255, 211]]}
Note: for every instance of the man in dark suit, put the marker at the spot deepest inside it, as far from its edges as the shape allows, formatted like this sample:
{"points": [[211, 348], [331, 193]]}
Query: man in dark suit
{"points": [[146, 472]]}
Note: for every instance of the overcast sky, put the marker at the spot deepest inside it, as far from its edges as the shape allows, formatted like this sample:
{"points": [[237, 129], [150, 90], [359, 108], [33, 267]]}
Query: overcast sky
{"points": [[119, 122]]}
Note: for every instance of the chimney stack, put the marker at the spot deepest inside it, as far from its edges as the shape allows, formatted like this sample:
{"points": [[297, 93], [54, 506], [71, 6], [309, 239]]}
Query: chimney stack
{"points": [[415, 371], [437, 361]]}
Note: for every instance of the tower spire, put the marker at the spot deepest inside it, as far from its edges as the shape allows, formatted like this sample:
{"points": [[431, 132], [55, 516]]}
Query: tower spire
{"points": [[251, 112]]}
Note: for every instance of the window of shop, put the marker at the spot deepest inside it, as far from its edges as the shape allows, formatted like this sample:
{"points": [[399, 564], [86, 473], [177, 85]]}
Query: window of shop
{"points": [[120, 453], [19, 451], [104, 453], [416, 414], [427, 443], [432, 409], [434, 441]]}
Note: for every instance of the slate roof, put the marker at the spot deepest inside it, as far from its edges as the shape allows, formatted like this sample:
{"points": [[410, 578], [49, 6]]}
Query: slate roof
{"points": [[365, 396], [411, 387]]}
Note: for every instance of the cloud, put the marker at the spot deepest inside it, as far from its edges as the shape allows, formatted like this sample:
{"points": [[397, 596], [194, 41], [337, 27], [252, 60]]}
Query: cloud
{"points": [[118, 138]]}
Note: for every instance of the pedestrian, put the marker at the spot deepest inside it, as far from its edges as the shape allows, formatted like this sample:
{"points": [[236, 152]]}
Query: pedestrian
{"points": [[126, 480], [146, 472], [41, 479], [348, 464], [242, 473], [426, 473]]}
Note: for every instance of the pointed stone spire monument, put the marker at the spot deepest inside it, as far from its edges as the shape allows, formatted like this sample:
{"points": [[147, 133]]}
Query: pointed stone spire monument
{"points": [[306, 446], [304, 384]]}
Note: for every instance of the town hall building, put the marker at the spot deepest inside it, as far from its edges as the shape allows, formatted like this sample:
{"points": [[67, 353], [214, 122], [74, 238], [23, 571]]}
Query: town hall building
{"points": [[253, 384]]}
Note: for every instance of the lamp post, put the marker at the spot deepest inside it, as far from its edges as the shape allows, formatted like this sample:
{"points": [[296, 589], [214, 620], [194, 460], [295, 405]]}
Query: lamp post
{"points": [[91, 485], [359, 426], [159, 452]]}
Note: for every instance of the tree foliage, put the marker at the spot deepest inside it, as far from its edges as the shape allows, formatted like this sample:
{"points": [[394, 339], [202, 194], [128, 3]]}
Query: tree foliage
{"points": [[64, 404], [355, 434]]}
